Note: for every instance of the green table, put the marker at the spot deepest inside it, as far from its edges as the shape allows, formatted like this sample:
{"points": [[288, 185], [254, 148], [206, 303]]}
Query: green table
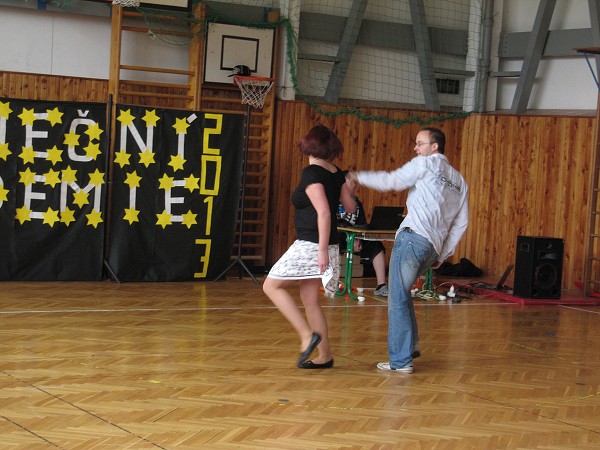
{"points": [[351, 235]]}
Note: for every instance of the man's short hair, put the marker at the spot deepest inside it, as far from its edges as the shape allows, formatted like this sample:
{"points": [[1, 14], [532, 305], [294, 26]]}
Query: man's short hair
{"points": [[436, 135]]}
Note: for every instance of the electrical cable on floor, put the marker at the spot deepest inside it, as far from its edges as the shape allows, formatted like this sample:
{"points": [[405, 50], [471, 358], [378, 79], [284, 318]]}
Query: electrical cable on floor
{"points": [[429, 290]]}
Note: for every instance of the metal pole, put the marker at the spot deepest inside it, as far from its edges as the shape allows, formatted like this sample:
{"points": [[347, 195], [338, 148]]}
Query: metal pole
{"points": [[238, 259]]}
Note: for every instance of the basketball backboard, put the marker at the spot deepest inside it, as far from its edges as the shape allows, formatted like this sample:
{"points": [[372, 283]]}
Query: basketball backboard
{"points": [[230, 45]]}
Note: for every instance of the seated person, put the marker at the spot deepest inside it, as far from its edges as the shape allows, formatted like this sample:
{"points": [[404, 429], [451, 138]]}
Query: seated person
{"points": [[370, 251]]}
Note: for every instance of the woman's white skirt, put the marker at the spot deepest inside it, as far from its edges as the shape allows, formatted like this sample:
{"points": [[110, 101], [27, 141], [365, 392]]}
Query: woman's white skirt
{"points": [[299, 262]]}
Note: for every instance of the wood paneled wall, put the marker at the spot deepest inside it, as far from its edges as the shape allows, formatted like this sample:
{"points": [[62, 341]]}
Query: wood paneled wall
{"points": [[527, 175], [30, 86]]}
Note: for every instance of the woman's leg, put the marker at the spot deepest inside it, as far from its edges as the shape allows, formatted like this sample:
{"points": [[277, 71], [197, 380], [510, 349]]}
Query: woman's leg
{"points": [[309, 294], [276, 291]]}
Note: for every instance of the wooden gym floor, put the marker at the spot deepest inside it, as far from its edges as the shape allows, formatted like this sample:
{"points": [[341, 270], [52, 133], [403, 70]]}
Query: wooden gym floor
{"points": [[212, 365]]}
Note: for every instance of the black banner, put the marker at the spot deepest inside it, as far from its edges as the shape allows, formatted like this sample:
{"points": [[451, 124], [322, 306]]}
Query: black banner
{"points": [[175, 193], [172, 213], [53, 163]]}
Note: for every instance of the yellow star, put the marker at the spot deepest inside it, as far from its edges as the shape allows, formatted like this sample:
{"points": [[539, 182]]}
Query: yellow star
{"points": [[80, 198], [189, 219], [94, 131], [4, 151], [5, 109], [181, 126], [27, 117], [94, 218], [177, 162], [54, 155], [23, 214], [27, 155], [146, 157], [122, 158], [164, 219], [50, 217], [151, 118], [67, 216], [92, 150], [191, 183], [133, 180], [71, 139], [26, 177], [54, 116], [52, 178], [125, 117], [166, 182], [69, 175], [131, 215], [3, 194], [97, 178]]}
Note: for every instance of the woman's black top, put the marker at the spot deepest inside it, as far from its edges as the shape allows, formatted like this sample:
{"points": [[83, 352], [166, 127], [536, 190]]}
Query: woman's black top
{"points": [[305, 220]]}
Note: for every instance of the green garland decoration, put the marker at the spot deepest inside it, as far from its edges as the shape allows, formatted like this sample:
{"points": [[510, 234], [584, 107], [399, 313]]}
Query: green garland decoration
{"points": [[151, 18]]}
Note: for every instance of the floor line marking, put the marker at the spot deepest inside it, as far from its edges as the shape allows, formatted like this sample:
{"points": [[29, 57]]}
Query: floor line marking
{"points": [[228, 308]]}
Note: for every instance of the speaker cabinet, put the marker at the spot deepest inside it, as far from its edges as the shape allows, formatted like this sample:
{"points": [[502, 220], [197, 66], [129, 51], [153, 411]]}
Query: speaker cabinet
{"points": [[538, 267]]}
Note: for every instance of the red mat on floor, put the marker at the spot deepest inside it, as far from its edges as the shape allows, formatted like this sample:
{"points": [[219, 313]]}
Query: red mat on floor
{"points": [[565, 300]]}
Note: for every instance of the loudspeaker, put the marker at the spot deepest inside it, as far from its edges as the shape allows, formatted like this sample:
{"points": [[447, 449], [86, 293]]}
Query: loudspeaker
{"points": [[538, 267]]}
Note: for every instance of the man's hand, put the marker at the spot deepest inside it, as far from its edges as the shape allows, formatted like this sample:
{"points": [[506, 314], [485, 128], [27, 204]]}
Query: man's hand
{"points": [[437, 265], [351, 185], [352, 177]]}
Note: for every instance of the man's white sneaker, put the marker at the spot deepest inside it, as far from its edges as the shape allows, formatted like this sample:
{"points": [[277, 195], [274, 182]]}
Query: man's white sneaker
{"points": [[386, 366]]}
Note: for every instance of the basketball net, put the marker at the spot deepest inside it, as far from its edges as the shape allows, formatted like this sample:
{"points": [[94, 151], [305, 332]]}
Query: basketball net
{"points": [[254, 89], [126, 3]]}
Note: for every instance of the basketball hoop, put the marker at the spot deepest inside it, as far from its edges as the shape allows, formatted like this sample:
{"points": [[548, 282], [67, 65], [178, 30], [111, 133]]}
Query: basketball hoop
{"points": [[254, 89]]}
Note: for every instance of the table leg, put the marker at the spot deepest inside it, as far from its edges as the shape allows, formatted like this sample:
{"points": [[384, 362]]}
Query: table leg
{"points": [[347, 289]]}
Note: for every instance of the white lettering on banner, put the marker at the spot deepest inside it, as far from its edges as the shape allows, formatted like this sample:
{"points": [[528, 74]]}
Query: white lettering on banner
{"points": [[2, 129], [3, 193], [78, 190], [31, 134], [40, 181], [129, 126], [171, 200], [30, 195], [182, 134], [72, 140]]}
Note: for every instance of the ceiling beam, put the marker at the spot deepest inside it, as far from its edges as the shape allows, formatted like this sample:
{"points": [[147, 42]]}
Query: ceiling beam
{"points": [[535, 49], [345, 50], [595, 22], [424, 54]]}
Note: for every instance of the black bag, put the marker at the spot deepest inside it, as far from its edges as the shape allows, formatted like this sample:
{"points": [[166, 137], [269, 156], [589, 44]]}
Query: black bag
{"points": [[464, 268]]}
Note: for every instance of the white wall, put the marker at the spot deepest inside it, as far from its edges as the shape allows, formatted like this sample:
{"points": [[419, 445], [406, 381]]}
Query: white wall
{"points": [[56, 43], [560, 83]]}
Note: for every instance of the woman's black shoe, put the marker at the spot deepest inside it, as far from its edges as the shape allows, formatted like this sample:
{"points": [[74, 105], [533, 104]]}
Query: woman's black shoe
{"points": [[314, 341], [311, 365]]}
